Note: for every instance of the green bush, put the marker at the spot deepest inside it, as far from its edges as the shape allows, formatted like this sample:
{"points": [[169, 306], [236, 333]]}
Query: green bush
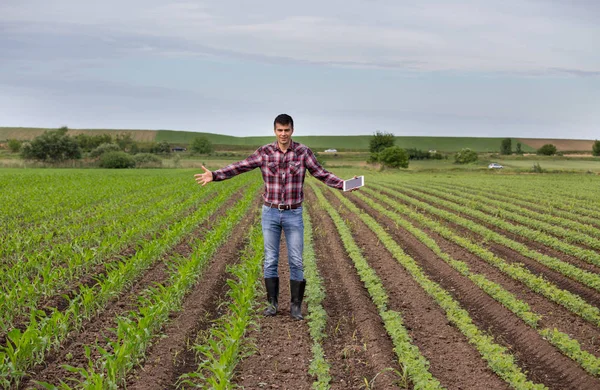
{"points": [[394, 157], [465, 156], [104, 148], [596, 148], [14, 145], [52, 146], [547, 150], [147, 160], [380, 141], [537, 168], [117, 160], [202, 145], [506, 146]]}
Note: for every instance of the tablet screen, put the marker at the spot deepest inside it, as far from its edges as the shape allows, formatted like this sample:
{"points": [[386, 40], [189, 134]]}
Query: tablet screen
{"points": [[354, 183]]}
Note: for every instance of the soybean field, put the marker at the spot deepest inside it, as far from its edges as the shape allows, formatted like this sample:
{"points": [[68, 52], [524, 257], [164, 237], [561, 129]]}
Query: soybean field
{"points": [[141, 279]]}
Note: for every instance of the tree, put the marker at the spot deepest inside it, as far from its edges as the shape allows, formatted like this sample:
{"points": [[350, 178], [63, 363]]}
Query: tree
{"points": [[506, 146], [117, 160], [465, 156], [202, 145], [547, 150], [378, 142], [394, 157], [14, 145], [52, 146], [89, 142], [519, 150], [596, 148], [163, 147], [125, 141], [104, 148]]}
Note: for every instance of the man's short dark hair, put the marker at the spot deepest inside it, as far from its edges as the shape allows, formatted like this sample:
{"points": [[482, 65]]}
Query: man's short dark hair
{"points": [[284, 119]]}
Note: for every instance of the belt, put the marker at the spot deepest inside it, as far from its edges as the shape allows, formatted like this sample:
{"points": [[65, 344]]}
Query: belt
{"points": [[283, 206]]}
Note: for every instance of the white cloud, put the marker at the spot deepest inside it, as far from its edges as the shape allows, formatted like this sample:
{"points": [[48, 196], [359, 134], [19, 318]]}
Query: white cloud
{"points": [[509, 36]]}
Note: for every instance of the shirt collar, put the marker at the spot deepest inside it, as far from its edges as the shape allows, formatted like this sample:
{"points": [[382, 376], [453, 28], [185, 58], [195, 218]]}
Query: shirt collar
{"points": [[293, 146]]}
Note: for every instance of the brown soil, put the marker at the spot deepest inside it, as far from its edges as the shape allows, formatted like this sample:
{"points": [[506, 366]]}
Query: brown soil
{"points": [[454, 362], [171, 356], [561, 144], [543, 363], [283, 345], [100, 329], [554, 315], [509, 255], [357, 345]]}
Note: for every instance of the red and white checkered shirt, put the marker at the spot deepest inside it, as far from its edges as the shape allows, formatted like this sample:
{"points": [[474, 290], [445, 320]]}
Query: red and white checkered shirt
{"points": [[283, 173]]}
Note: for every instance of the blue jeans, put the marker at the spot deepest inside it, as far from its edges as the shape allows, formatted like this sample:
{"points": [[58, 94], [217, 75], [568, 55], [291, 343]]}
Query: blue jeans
{"points": [[273, 221]]}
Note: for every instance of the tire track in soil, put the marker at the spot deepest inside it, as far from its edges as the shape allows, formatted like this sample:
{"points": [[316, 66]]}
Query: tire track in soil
{"points": [[99, 328], [171, 357], [283, 345], [590, 295], [352, 319], [542, 362], [553, 314], [454, 362]]}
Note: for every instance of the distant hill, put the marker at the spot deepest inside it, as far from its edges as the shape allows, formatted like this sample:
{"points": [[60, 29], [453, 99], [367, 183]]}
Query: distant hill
{"points": [[318, 143]]}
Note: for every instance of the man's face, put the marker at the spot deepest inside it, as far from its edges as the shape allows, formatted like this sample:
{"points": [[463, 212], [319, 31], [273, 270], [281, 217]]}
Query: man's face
{"points": [[283, 133]]}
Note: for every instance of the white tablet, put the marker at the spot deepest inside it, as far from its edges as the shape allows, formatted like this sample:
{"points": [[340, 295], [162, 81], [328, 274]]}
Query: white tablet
{"points": [[354, 183]]}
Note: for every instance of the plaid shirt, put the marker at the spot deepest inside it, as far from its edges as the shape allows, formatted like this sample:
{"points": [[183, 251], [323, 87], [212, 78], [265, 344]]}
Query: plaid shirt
{"points": [[283, 173]]}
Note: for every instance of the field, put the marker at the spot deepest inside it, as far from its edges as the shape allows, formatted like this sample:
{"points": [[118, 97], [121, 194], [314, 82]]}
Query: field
{"points": [[342, 143], [141, 279]]}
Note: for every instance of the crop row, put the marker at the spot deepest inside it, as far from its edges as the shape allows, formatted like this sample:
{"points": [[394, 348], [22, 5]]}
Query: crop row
{"points": [[570, 347], [28, 347], [497, 357], [46, 273], [577, 232], [408, 353], [226, 345], [135, 332], [585, 277], [538, 284], [506, 197], [317, 317], [496, 216]]}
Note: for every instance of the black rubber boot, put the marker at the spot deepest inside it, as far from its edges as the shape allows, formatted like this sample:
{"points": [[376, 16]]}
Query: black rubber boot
{"points": [[272, 285], [297, 292]]}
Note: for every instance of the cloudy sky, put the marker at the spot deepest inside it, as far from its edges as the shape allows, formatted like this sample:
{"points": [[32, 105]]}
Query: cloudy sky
{"points": [[521, 68]]}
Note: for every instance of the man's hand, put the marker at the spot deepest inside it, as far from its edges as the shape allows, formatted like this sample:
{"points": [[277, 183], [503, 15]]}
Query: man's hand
{"points": [[204, 178], [354, 189]]}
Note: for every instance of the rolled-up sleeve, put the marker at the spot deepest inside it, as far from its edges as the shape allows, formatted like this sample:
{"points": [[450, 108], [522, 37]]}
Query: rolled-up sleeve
{"points": [[315, 169], [248, 164]]}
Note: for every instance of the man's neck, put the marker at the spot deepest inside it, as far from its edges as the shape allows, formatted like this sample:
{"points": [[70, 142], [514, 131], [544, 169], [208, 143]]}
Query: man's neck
{"points": [[284, 148]]}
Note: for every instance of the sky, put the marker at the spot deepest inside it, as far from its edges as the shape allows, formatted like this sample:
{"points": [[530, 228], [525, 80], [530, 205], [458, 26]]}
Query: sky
{"points": [[485, 68]]}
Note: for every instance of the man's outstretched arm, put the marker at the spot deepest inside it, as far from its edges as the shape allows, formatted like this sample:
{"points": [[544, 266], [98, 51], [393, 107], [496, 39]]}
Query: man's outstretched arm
{"points": [[253, 161], [320, 173]]}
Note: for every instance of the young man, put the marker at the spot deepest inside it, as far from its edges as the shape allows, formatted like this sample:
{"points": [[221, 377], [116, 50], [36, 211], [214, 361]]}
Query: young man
{"points": [[283, 164]]}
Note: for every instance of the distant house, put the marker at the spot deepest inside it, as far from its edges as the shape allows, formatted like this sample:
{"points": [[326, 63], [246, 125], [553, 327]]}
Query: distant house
{"points": [[331, 151], [178, 149]]}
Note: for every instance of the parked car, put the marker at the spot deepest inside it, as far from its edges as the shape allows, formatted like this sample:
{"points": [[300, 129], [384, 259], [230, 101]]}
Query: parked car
{"points": [[495, 166], [331, 151]]}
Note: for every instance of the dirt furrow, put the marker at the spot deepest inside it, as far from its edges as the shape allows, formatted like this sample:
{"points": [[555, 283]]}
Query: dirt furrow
{"points": [[590, 295], [172, 356], [283, 353], [553, 314], [100, 328], [543, 363], [454, 362], [357, 345]]}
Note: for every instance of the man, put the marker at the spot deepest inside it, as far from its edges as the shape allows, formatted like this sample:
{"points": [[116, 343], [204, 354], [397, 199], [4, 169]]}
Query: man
{"points": [[283, 164]]}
